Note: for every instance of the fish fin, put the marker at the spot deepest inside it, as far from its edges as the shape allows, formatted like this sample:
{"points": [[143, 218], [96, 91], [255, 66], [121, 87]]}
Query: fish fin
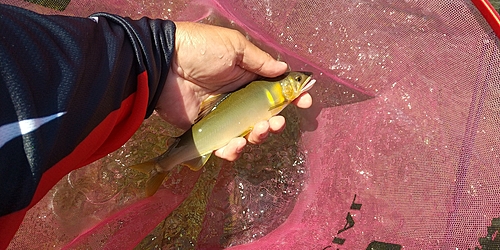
{"points": [[154, 182], [246, 132], [145, 167], [197, 163], [209, 104], [155, 179], [279, 106]]}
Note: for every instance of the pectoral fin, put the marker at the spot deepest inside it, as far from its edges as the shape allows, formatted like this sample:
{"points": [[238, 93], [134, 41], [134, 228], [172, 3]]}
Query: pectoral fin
{"points": [[246, 132], [278, 107], [197, 163]]}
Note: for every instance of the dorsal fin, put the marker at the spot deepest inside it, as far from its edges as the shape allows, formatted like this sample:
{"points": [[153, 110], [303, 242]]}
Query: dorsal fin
{"points": [[209, 104]]}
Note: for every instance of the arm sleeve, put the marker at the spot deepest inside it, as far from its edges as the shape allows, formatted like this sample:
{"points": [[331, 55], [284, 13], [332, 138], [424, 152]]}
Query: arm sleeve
{"points": [[71, 91]]}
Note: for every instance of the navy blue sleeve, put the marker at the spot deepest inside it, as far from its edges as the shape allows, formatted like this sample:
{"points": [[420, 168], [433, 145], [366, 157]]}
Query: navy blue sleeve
{"points": [[72, 90]]}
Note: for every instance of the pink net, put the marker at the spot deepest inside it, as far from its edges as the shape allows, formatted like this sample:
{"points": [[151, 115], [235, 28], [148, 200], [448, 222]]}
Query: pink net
{"points": [[400, 149]]}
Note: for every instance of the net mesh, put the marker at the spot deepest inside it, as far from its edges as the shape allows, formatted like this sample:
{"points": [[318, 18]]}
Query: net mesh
{"points": [[400, 149]]}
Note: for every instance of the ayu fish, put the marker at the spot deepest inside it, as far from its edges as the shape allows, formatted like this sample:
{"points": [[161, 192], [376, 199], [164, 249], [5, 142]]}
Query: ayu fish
{"points": [[229, 116]]}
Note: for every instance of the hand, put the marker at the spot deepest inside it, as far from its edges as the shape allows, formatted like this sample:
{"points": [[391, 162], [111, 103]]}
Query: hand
{"points": [[210, 60]]}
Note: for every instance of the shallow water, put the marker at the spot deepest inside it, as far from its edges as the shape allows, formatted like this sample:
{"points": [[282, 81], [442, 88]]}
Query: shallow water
{"points": [[423, 147], [247, 199]]}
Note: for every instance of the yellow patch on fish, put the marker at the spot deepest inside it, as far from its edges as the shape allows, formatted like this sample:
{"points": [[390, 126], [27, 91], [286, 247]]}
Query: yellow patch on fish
{"points": [[275, 97]]}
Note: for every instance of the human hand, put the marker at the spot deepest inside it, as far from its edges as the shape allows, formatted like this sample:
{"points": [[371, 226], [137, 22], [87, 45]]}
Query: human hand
{"points": [[210, 60]]}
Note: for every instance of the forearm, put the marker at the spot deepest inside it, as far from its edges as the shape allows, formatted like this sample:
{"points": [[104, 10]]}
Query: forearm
{"points": [[71, 91]]}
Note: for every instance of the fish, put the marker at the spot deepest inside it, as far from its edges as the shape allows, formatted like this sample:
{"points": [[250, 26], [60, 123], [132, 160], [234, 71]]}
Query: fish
{"points": [[223, 118]]}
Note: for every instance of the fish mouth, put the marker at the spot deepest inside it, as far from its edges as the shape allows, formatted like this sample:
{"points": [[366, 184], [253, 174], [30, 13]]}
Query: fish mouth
{"points": [[308, 83]]}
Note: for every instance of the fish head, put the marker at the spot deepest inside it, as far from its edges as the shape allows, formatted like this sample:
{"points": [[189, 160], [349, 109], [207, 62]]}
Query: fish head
{"points": [[296, 83]]}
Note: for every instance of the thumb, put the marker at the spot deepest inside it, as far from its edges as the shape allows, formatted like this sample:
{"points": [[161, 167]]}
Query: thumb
{"points": [[259, 62]]}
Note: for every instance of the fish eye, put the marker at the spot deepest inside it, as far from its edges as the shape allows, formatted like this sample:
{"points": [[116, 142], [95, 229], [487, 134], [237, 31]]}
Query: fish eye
{"points": [[298, 78]]}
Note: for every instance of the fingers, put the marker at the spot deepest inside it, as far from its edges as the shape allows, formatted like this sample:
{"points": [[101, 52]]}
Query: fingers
{"points": [[303, 101], [247, 55], [261, 130], [232, 151], [259, 134], [259, 62], [277, 123]]}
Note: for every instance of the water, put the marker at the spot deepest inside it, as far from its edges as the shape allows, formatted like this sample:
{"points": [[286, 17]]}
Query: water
{"points": [[245, 200]]}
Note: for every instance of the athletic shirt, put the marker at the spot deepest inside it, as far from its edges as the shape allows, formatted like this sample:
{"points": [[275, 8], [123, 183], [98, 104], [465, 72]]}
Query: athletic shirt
{"points": [[72, 90]]}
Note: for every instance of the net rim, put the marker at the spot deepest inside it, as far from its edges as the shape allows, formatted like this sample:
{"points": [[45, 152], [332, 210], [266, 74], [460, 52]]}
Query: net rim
{"points": [[490, 14]]}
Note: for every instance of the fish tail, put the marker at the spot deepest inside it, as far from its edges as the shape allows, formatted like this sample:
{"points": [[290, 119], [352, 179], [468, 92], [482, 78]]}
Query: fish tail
{"points": [[154, 182], [157, 173], [155, 178]]}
